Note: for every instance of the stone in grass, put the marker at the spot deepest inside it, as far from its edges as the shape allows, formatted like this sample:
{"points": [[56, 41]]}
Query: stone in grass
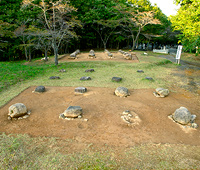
{"points": [[140, 71], [182, 116], [17, 110], [161, 92], [122, 92], [117, 79], [54, 77], [40, 89], [89, 70], [149, 78], [73, 112], [62, 70], [85, 78], [80, 90]]}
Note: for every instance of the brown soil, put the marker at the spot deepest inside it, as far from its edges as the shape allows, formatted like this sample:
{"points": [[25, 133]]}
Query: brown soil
{"points": [[103, 110], [99, 57]]}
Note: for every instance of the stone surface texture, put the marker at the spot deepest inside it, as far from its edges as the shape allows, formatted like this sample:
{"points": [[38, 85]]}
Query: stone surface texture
{"points": [[122, 92], [91, 54], [89, 70], [54, 77], [40, 89], [85, 78], [73, 112], [161, 92], [140, 71], [17, 110], [117, 79], [182, 116], [80, 90], [130, 118], [148, 78]]}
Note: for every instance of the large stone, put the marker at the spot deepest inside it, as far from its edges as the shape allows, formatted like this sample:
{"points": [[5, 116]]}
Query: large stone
{"points": [[17, 110], [73, 112], [122, 92], [149, 78], [54, 77], [140, 71], [77, 51], [117, 79], [89, 70], [128, 56], [91, 54], [161, 92], [72, 55], [40, 89], [85, 78], [182, 116], [109, 54], [80, 90]]}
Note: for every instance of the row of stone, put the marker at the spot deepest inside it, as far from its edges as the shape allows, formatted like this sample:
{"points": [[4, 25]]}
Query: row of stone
{"points": [[181, 116], [116, 79]]}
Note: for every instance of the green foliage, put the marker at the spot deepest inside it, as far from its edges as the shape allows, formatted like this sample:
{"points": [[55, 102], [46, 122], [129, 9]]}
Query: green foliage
{"points": [[96, 18], [187, 21]]}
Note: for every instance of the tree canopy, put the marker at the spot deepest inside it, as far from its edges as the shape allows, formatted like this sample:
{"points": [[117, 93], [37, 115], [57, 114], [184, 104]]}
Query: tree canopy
{"points": [[33, 27], [187, 21]]}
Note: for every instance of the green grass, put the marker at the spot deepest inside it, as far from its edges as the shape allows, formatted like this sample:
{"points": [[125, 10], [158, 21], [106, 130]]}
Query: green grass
{"points": [[24, 152], [15, 72], [18, 76]]}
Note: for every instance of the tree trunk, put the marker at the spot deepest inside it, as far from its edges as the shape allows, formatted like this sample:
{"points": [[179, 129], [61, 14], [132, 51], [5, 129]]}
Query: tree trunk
{"points": [[45, 53], [26, 53], [136, 38], [133, 47], [30, 54], [104, 45], [118, 45], [56, 55]]}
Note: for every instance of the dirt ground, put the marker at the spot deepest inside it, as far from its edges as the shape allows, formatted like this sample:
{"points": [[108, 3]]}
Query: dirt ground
{"points": [[99, 57], [103, 110]]}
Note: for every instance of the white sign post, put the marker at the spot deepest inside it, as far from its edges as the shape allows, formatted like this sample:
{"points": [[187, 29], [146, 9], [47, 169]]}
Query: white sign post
{"points": [[178, 54]]}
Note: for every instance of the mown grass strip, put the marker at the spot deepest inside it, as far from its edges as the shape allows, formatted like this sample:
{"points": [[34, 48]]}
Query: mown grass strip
{"points": [[24, 152]]}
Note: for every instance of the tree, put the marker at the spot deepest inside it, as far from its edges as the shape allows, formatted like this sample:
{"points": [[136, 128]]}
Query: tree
{"points": [[105, 29], [99, 20], [57, 21], [134, 22], [187, 21], [4, 32], [43, 42]]}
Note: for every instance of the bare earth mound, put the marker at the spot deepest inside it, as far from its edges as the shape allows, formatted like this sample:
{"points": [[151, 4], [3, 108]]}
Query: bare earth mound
{"points": [[103, 110], [100, 56]]}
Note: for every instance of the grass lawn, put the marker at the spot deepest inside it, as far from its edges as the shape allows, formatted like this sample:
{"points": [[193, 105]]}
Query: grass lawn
{"points": [[24, 152], [15, 77]]}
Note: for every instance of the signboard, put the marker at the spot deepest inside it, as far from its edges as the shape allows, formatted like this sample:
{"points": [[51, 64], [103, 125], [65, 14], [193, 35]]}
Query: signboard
{"points": [[178, 54]]}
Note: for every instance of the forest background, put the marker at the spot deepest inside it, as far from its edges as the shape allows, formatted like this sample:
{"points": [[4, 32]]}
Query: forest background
{"points": [[38, 28]]}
